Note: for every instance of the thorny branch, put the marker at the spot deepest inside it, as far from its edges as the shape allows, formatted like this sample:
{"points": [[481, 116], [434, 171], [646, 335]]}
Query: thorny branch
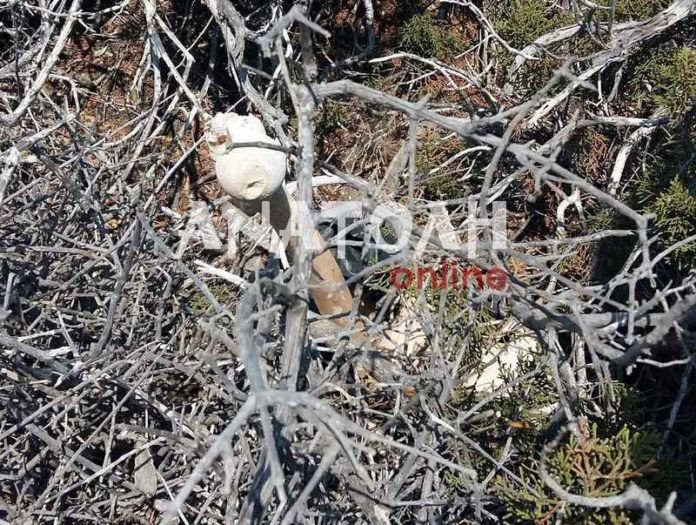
{"points": [[145, 377]]}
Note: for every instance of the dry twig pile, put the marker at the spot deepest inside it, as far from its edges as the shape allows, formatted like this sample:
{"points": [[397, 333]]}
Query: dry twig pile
{"points": [[147, 378]]}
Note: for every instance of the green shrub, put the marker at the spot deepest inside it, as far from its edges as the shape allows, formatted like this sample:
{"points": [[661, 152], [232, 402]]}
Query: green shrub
{"points": [[423, 36], [675, 86], [520, 22], [334, 116], [631, 10], [664, 77], [600, 219], [591, 465], [668, 191], [456, 312], [675, 218], [199, 304], [433, 150], [638, 9]]}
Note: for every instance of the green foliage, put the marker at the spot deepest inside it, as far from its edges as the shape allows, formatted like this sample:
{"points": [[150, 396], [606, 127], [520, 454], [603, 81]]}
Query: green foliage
{"points": [[198, 303], [442, 186], [334, 116], [456, 312], [591, 154], [630, 404], [520, 22], [423, 36], [609, 254], [668, 191], [664, 77], [433, 151], [626, 10], [637, 9], [645, 71], [675, 217], [600, 219], [526, 402], [591, 465], [675, 86]]}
